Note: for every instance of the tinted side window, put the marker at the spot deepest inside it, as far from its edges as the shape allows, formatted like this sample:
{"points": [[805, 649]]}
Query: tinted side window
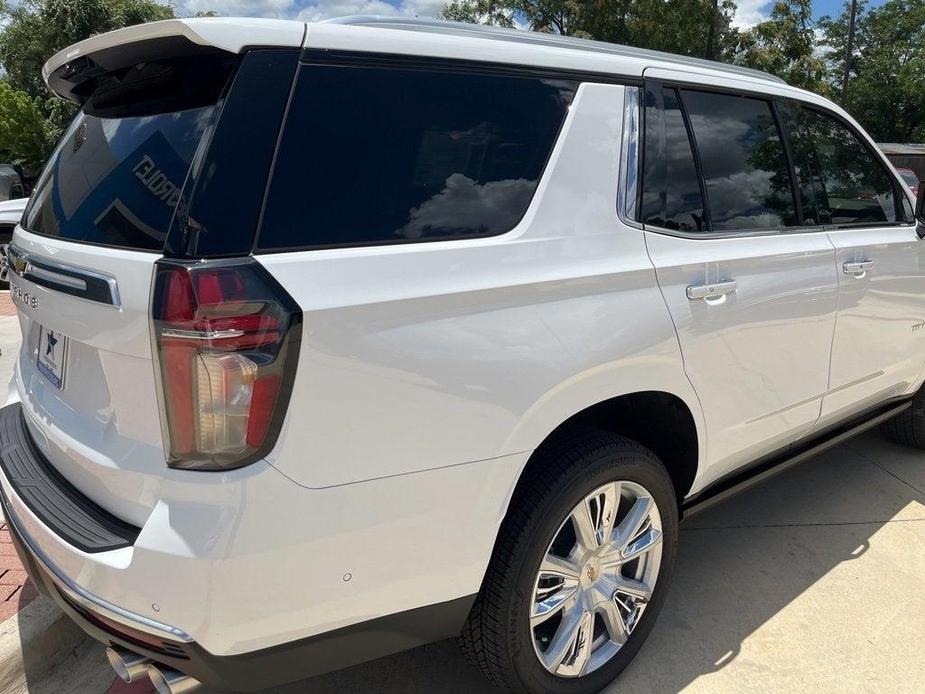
{"points": [[805, 165], [747, 178], [856, 188], [671, 196], [377, 155]]}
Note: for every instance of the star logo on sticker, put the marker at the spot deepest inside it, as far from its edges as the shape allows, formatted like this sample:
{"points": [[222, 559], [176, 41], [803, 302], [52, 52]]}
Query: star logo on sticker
{"points": [[52, 341]]}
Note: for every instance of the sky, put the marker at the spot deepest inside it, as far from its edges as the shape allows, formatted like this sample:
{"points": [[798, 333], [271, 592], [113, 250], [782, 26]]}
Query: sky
{"points": [[750, 12]]}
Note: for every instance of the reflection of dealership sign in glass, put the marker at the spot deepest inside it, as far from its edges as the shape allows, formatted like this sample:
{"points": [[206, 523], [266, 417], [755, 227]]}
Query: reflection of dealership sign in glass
{"points": [[135, 200], [157, 181]]}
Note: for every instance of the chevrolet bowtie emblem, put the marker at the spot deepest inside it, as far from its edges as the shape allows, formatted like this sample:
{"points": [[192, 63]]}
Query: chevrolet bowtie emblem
{"points": [[19, 264]]}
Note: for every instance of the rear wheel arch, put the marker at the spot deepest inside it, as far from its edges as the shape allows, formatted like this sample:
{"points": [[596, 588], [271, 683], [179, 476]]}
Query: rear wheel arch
{"points": [[661, 421]]}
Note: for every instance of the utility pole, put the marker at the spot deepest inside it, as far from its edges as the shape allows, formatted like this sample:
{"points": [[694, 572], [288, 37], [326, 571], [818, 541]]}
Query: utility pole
{"points": [[711, 33], [849, 49]]}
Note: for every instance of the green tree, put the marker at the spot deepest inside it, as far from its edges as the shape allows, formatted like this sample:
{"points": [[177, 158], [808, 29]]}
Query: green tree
{"points": [[784, 45], [491, 12], [886, 89], [23, 137], [690, 27], [37, 29], [34, 30]]}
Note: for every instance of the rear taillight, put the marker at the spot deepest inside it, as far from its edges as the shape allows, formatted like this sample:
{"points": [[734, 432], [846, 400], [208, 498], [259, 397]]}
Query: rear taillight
{"points": [[226, 336]]}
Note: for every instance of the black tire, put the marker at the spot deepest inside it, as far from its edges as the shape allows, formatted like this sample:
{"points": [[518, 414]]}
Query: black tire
{"points": [[497, 636], [908, 427]]}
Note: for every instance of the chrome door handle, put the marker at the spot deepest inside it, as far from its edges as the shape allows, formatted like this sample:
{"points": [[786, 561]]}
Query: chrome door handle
{"points": [[857, 268], [711, 291]]}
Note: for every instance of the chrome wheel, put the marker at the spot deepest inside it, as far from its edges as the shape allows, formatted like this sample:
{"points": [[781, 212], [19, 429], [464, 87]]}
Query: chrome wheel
{"points": [[596, 579]]}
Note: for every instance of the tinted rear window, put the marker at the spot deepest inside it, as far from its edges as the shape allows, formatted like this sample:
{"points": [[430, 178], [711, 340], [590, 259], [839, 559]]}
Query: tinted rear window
{"points": [[116, 176], [116, 181], [377, 155]]}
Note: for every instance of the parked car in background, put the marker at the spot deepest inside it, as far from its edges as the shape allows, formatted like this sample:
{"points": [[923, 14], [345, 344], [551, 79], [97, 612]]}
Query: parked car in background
{"points": [[10, 214], [346, 337], [910, 178], [11, 183]]}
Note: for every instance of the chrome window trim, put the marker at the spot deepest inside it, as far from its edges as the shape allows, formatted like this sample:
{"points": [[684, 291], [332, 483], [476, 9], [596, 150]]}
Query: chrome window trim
{"points": [[628, 180]]}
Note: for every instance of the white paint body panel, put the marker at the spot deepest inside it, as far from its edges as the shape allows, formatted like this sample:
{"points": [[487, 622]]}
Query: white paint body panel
{"points": [[247, 559], [758, 358], [102, 431], [11, 210], [877, 348], [229, 34]]}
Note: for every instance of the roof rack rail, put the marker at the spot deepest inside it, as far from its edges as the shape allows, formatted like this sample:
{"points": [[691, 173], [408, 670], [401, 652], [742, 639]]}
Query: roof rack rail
{"points": [[536, 38]]}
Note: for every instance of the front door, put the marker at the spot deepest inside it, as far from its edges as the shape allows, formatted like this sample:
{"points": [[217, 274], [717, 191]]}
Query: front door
{"points": [[878, 348]]}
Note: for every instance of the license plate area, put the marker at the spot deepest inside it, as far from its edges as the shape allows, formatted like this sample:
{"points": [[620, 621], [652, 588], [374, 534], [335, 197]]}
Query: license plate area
{"points": [[51, 361]]}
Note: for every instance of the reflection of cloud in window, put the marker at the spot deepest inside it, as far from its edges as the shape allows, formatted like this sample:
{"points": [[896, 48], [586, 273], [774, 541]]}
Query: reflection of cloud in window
{"points": [[739, 192], [470, 207]]}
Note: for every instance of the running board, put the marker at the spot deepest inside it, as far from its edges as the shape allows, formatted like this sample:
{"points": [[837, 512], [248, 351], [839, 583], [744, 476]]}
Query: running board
{"points": [[765, 469]]}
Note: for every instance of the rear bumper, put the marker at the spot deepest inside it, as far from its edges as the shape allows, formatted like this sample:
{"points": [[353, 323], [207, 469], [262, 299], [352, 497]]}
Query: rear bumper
{"points": [[238, 579], [245, 672]]}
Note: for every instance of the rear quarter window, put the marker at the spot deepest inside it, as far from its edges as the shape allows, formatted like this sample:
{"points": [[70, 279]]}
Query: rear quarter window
{"points": [[375, 155]]}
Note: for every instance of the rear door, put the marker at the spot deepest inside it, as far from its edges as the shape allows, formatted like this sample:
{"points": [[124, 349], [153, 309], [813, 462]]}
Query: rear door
{"points": [[751, 292], [84, 258], [879, 260]]}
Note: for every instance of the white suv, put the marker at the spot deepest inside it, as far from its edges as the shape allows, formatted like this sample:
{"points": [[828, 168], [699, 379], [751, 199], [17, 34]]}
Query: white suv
{"points": [[341, 338]]}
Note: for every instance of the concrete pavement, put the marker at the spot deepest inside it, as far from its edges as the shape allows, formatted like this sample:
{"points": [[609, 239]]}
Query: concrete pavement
{"points": [[811, 582]]}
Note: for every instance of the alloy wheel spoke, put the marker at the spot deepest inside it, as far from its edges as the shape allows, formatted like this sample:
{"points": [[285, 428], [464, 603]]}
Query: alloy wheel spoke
{"points": [[570, 649], [634, 522], [613, 621], [638, 590], [558, 566], [550, 602], [584, 530], [602, 507], [643, 544]]}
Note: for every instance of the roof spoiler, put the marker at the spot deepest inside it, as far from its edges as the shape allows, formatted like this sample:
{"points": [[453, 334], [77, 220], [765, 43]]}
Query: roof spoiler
{"points": [[67, 70]]}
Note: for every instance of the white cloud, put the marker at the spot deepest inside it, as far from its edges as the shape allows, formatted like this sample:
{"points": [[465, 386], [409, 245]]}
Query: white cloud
{"points": [[276, 9], [325, 9], [750, 12], [310, 11]]}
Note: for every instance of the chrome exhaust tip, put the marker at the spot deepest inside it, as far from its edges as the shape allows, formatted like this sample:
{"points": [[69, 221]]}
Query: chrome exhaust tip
{"points": [[169, 681], [130, 667]]}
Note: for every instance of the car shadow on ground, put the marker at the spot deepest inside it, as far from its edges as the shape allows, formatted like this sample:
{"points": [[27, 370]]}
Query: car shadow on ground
{"points": [[740, 563]]}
